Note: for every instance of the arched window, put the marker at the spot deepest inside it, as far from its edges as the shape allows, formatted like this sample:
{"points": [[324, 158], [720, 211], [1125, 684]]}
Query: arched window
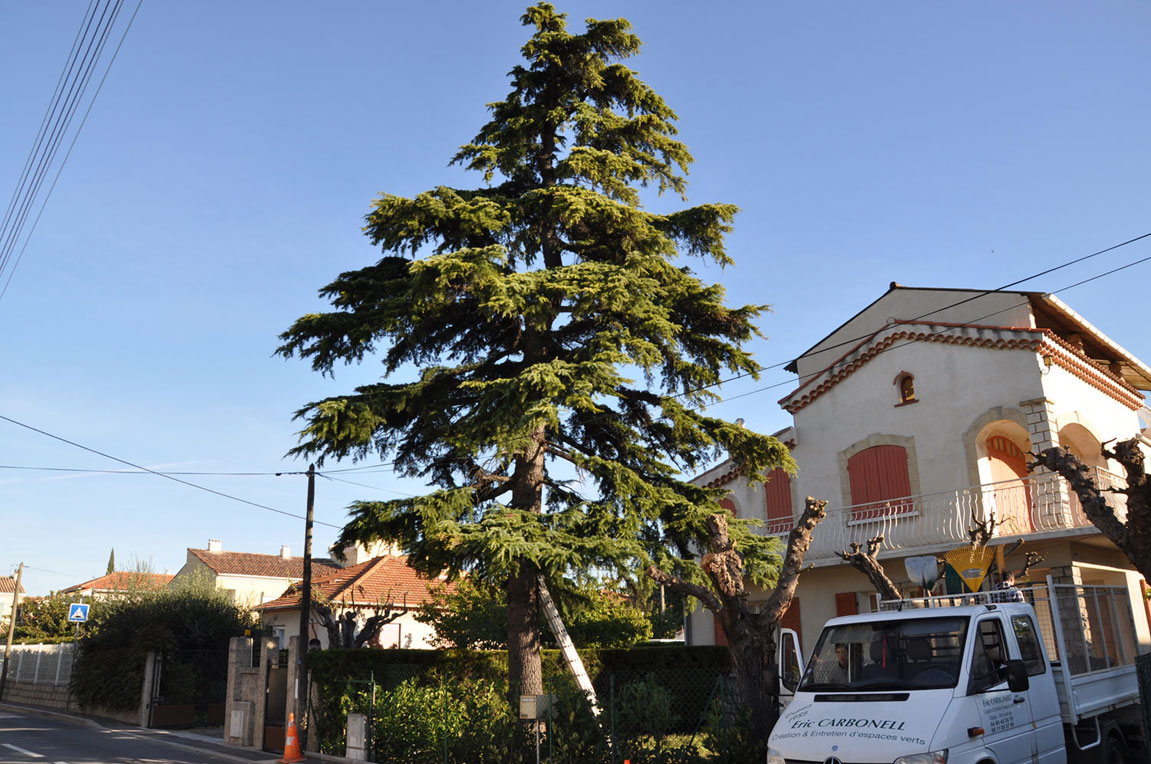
{"points": [[729, 505], [905, 384], [880, 484], [778, 501]]}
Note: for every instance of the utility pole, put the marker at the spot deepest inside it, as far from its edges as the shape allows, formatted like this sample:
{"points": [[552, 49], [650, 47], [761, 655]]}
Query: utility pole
{"points": [[11, 629], [306, 603]]}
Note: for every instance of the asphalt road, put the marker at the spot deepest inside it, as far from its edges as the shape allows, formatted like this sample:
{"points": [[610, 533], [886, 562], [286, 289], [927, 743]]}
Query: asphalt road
{"points": [[28, 739]]}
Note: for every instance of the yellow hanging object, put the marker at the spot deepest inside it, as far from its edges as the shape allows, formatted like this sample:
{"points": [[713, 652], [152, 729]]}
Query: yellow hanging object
{"points": [[971, 564]]}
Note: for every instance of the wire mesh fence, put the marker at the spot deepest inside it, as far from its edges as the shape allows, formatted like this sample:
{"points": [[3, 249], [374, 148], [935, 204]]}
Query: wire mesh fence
{"points": [[43, 664], [417, 715]]}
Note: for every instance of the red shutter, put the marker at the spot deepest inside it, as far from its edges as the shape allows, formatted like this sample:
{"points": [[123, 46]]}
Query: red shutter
{"points": [[778, 490], [729, 505], [877, 475], [845, 604], [791, 620]]}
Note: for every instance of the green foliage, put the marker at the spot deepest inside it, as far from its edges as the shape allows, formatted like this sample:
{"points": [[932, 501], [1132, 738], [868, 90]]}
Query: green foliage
{"points": [[653, 699], [511, 319], [473, 616], [110, 666], [45, 619], [560, 250], [111, 562]]}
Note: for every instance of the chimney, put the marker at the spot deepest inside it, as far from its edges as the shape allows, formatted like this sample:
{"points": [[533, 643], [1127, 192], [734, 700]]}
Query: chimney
{"points": [[215, 545], [285, 552]]}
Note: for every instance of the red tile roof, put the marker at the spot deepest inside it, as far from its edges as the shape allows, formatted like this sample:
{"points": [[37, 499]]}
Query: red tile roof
{"points": [[269, 565], [124, 580], [382, 579], [8, 585]]}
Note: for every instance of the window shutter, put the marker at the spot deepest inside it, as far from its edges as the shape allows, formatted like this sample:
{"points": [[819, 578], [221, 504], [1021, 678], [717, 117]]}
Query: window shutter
{"points": [[729, 505], [845, 604], [877, 475], [779, 512], [791, 619]]}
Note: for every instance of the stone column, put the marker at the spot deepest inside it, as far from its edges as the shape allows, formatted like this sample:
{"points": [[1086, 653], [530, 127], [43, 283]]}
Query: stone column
{"points": [[1050, 494]]}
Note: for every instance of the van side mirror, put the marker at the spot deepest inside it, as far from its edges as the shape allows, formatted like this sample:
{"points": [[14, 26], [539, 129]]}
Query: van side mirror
{"points": [[1017, 680]]}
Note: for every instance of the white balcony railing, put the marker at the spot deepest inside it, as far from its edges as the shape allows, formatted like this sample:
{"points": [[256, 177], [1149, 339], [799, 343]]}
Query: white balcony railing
{"points": [[1036, 504]]}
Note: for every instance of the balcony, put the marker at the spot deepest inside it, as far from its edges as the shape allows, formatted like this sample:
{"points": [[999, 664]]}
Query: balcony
{"points": [[1037, 505]]}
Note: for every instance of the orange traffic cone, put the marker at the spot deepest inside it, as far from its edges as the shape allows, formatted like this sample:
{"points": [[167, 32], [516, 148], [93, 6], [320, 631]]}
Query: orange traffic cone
{"points": [[292, 743]]}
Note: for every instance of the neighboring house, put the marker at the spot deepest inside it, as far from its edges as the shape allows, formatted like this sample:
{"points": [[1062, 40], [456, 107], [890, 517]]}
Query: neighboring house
{"points": [[366, 587], [120, 583], [249, 579], [920, 412], [7, 589]]}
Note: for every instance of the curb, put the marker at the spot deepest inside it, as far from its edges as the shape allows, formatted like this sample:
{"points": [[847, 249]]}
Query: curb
{"points": [[60, 716]]}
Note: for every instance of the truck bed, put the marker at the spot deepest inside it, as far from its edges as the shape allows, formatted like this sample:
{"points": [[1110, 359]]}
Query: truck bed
{"points": [[1089, 695]]}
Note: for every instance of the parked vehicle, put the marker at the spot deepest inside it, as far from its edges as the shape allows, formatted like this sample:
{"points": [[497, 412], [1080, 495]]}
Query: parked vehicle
{"points": [[969, 680]]}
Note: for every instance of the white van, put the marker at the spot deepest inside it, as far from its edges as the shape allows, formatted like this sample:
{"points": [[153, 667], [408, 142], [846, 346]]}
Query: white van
{"points": [[1046, 680]]}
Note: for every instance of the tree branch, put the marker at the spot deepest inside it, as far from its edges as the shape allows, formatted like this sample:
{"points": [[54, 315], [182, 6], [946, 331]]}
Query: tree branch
{"points": [[1078, 475], [869, 565], [798, 542], [703, 594]]}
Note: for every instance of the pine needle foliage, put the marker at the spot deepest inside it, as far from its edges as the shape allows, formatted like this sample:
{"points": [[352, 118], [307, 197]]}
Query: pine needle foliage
{"points": [[546, 358]]}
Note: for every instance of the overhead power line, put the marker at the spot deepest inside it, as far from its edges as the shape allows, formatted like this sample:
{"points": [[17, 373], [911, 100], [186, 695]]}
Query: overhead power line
{"points": [[956, 304], [803, 379], [161, 474], [70, 91]]}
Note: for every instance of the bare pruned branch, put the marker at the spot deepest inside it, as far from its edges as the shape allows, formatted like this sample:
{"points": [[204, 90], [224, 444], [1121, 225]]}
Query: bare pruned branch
{"points": [[869, 565]]}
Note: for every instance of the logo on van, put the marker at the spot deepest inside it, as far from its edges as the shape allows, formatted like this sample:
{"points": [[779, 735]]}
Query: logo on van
{"points": [[832, 760]]}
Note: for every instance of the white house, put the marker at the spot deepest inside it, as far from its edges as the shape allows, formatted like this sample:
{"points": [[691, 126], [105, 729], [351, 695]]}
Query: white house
{"points": [[375, 580], [248, 578], [918, 413]]}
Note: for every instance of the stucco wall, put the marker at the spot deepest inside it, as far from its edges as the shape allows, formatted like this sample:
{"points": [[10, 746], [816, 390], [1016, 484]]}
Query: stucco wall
{"points": [[1002, 309]]}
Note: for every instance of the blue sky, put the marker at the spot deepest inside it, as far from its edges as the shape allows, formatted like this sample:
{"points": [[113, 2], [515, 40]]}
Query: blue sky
{"points": [[225, 169]]}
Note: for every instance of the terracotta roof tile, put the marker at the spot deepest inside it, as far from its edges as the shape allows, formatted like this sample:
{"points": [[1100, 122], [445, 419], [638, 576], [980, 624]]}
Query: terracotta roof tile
{"points": [[381, 579], [269, 565], [124, 580], [8, 585]]}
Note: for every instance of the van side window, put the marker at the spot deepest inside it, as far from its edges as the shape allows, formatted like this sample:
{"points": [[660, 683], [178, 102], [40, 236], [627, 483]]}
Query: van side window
{"points": [[989, 659], [1029, 648]]}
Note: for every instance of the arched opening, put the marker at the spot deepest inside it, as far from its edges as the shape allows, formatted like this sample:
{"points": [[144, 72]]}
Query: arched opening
{"points": [[1004, 447], [1086, 447]]}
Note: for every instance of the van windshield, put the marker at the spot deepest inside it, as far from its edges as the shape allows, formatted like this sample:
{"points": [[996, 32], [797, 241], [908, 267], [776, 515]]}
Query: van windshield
{"points": [[918, 654]]}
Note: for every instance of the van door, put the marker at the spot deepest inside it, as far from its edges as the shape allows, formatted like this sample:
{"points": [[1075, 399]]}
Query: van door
{"points": [[790, 663], [1004, 715]]}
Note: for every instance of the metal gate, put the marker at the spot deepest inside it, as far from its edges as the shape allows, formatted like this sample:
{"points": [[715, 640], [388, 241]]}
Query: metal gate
{"points": [[189, 688], [276, 705]]}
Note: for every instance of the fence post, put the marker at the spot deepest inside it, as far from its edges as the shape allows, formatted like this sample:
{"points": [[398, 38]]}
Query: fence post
{"points": [[59, 662], [146, 690], [39, 654]]}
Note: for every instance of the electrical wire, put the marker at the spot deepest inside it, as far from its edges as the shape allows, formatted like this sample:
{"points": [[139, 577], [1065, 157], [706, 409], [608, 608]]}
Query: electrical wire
{"points": [[163, 475], [365, 485], [60, 124], [965, 300], [4, 256], [147, 472], [803, 380]]}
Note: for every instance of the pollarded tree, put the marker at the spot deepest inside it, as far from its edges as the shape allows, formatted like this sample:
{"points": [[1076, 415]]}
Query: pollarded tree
{"points": [[510, 318]]}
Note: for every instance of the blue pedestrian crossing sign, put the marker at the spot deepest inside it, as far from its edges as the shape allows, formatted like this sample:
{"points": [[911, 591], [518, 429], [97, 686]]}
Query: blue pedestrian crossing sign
{"points": [[78, 612]]}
